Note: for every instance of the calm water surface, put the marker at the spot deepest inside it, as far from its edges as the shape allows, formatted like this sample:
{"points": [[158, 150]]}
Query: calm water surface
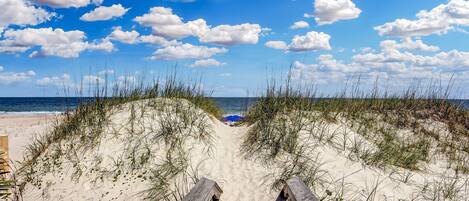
{"points": [[58, 105]]}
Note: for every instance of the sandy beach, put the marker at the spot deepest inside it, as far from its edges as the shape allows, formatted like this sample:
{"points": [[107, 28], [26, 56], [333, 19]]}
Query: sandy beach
{"points": [[240, 178], [134, 146], [21, 130]]}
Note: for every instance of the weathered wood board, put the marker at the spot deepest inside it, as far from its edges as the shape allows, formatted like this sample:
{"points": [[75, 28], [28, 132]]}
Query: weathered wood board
{"points": [[296, 190], [204, 190]]}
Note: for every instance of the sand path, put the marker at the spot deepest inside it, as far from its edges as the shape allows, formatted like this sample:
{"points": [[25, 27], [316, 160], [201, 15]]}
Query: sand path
{"points": [[240, 179]]}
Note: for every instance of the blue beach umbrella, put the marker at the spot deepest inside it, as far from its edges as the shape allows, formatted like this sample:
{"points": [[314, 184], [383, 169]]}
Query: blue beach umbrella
{"points": [[233, 118]]}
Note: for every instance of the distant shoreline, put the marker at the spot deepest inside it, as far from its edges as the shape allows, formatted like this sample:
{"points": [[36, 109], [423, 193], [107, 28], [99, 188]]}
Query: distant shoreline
{"points": [[51, 106]]}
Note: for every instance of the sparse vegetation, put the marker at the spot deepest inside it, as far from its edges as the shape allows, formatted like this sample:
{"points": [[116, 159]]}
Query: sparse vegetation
{"points": [[402, 130], [289, 127], [178, 112]]}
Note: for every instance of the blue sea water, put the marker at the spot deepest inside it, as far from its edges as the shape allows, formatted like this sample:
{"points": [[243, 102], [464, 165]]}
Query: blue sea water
{"points": [[50, 105]]}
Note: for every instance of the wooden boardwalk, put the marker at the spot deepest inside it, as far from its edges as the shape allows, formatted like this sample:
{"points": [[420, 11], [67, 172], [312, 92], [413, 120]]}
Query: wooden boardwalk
{"points": [[208, 190]]}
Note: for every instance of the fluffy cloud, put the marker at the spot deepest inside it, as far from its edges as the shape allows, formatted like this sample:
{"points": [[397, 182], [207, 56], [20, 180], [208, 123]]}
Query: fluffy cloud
{"points": [[7, 78], [52, 42], [309, 42], [133, 37], [21, 12], [206, 63], [68, 3], [439, 20], [230, 35], [389, 63], [87, 81], [279, 45], [103, 13], [299, 25], [330, 11], [128, 37], [186, 51], [164, 23], [56, 81], [104, 45], [313, 72], [408, 43], [157, 40], [168, 25]]}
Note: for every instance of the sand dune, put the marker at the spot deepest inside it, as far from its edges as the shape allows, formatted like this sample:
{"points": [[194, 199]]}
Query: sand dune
{"points": [[240, 178], [105, 170]]}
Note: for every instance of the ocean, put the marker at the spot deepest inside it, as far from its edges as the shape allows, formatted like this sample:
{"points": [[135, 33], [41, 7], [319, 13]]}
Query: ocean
{"points": [[57, 105]]}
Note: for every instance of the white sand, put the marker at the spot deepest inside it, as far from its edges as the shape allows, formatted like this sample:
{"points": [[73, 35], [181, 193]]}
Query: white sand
{"points": [[21, 130], [240, 179]]}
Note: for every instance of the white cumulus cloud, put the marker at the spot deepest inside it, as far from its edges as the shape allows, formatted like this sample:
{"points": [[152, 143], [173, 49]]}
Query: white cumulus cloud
{"points": [[63, 80], [280, 45], [309, 42], [410, 44], [68, 3], [186, 51], [7, 78], [439, 20], [206, 63], [128, 37], [166, 24], [392, 62], [133, 37], [104, 13], [157, 40], [330, 11], [22, 13], [299, 25], [52, 42], [232, 34]]}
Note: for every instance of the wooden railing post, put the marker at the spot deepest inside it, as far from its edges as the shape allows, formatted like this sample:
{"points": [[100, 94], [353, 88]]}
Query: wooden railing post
{"points": [[4, 150], [296, 190], [204, 190], [5, 183]]}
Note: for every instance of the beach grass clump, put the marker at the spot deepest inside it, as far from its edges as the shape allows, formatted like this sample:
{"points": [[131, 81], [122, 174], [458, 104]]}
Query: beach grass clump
{"points": [[404, 129], [277, 119], [381, 117], [160, 120]]}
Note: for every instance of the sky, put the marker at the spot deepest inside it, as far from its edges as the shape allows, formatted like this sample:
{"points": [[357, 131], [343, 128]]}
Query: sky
{"points": [[233, 46]]}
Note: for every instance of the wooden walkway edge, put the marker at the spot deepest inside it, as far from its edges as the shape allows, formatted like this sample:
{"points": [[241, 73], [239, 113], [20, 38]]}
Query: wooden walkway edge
{"points": [[208, 190], [204, 190]]}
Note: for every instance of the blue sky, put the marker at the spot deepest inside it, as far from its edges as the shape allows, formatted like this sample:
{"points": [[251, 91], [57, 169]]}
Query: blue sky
{"points": [[234, 45]]}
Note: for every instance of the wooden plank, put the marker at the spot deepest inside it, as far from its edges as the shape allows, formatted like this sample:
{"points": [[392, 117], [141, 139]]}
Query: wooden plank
{"points": [[4, 149], [296, 190], [204, 190]]}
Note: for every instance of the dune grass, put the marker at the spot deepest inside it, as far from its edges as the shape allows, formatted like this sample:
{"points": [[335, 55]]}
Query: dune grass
{"points": [[81, 130], [382, 118]]}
